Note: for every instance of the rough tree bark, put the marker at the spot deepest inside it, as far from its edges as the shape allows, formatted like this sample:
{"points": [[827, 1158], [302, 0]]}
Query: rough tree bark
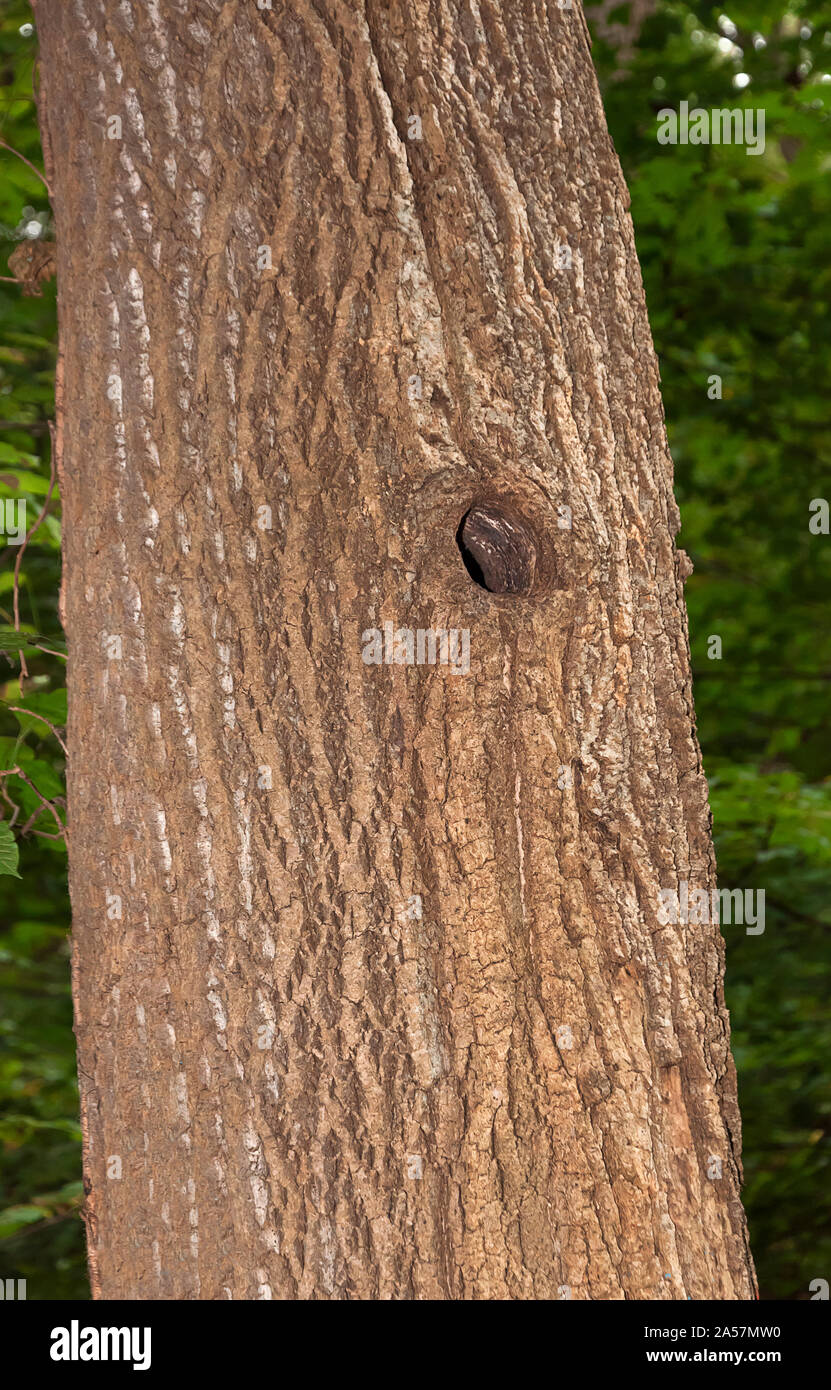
{"points": [[372, 995]]}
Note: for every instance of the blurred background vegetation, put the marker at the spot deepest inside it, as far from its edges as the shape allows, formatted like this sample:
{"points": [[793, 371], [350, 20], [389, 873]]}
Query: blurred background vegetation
{"points": [[735, 257]]}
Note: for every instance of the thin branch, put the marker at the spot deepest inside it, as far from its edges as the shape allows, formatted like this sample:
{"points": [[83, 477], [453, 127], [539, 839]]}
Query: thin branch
{"points": [[9, 802], [18, 709], [12, 150], [18, 772], [75, 1210], [796, 914]]}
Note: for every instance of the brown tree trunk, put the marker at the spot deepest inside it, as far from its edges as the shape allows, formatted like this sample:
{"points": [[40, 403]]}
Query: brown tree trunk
{"points": [[373, 997]]}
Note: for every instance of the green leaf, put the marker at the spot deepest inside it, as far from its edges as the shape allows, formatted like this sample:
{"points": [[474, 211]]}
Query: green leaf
{"points": [[14, 642], [14, 750], [15, 481], [9, 854], [9, 453], [47, 781], [14, 1218], [51, 704]]}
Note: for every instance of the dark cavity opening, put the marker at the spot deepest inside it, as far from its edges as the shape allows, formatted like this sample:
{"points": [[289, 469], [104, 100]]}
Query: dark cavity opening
{"points": [[497, 549]]}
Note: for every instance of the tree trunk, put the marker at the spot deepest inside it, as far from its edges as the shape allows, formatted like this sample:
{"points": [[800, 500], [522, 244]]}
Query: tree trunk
{"points": [[373, 994]]}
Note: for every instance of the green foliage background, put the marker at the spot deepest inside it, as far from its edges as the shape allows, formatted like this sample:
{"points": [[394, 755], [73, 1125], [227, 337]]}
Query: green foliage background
{"points": [[735, 257]]}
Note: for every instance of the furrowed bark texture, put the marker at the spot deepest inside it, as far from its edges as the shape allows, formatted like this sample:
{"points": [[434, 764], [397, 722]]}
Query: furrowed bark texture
{"points": [[372, 995]]}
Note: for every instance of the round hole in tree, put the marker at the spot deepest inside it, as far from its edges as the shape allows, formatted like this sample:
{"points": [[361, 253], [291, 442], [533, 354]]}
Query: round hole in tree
{"points": [[497, 549]]}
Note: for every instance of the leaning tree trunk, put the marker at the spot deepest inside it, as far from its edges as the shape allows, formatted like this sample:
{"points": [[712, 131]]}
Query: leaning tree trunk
{"points": [[373, 997]]}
